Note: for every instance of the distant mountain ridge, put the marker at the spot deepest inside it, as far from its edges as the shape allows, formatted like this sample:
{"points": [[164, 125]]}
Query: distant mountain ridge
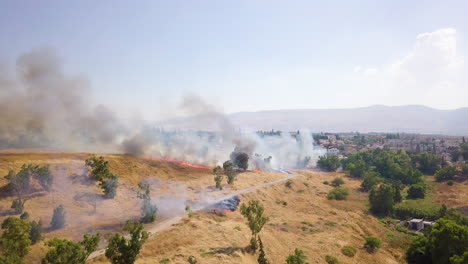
{"points": [[377, 118]]}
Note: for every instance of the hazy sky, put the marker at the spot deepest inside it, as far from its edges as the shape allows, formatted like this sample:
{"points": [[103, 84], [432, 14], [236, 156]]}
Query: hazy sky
{"points": [[251, 55]]}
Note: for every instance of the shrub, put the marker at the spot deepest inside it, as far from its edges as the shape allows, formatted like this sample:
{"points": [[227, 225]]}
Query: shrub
{"points": [[24, 216], [148, 209], [372, 243], [326, 182], [192, 260], [289, 183], [331, 260], [18, 206], [417, 191], [445, 174], [338, 193], [58, 218], [109, 186], [328, 163], [349, 251], [450, 183], [338, 181], [297, 258]]}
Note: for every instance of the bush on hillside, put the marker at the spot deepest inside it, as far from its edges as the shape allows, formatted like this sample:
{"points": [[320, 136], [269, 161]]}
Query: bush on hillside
{"points": [[338, 193]]}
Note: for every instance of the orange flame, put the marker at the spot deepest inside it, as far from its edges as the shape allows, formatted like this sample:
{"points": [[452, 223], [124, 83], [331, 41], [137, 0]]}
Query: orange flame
{"points": [[187, 164]]}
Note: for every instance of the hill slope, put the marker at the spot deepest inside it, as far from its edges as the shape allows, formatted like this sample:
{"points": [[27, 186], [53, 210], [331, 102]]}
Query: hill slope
{"points": [[413, 119]]}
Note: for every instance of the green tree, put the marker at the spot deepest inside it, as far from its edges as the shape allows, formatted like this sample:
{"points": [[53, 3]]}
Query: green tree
{"points": [[417, 191], [261, 256], [381, 199], [372, 243], [370, 179], [100, 171], [148, 209], [254, 212], [463, 259], [218, 177], [328, 163], [445, 174], [36, 231], [297, 258], [357, 168], [447, 239], [397, 188], [428, 163], [125, 251], [15, 241], [418, 252], [229, 171], [58, 218], [64, 251], [445, 243], [99, 168]]}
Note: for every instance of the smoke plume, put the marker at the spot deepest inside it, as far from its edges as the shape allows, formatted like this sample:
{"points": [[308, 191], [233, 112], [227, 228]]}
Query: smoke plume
{"points": [[43, 107]]}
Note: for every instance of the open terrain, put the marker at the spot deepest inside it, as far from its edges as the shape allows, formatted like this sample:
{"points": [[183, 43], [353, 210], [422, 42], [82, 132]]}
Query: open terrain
{"points": [[300, 216]]}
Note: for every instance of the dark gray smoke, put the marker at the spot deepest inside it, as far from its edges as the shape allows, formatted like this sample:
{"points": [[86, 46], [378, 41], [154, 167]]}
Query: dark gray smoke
{"points": [[41, 106]]}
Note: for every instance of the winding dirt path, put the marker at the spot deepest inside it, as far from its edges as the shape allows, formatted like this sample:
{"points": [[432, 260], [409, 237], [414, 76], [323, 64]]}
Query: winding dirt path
{"points": [[167, 223]]}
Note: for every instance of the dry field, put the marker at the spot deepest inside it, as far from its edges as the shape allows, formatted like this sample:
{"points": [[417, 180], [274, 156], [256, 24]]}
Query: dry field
{"points": [[87, 211], [300, 217]]}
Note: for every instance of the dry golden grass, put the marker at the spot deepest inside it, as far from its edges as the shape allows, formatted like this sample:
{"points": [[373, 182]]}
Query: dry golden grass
{"points": [[455, 196], [308, 221], [78, 195]]}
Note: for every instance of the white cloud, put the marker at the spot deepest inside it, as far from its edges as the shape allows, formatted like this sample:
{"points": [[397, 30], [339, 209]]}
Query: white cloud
{"points": [[431, 73]]}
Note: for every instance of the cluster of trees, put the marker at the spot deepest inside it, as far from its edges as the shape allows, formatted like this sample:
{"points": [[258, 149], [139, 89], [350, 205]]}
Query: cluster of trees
{"points": [[461, 153], [100, 172], [445, 243], [238, 161], [19, 234], [394, 165], [428, 163], [21, 183], [262, 133]]}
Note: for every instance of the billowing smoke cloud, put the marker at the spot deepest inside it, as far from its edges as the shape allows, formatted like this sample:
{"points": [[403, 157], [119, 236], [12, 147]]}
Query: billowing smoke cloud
{"points": [[41, 106]]}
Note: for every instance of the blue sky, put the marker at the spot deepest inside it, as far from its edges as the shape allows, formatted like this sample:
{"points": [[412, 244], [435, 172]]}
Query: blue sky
{"points": [[251, 55]]}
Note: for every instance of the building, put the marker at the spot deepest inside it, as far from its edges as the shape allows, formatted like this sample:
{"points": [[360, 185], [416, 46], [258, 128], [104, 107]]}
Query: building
{"points": [[419, 224]]}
